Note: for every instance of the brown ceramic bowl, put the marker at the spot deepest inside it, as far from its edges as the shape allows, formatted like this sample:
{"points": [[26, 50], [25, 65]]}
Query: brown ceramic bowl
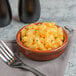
{"points": [[41, 55]]}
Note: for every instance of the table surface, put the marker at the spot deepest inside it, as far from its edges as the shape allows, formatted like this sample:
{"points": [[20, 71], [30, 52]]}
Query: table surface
{"points": [[63, 12]]}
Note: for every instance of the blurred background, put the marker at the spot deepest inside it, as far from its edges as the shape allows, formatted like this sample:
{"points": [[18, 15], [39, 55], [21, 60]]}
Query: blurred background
{"points": [[63, 12]]}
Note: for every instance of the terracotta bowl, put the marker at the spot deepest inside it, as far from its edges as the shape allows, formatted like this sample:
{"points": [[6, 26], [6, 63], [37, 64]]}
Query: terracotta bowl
{"points": [[41, 55]]}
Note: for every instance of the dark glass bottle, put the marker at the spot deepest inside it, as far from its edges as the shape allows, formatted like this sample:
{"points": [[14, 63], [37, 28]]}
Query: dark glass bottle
{"points": [[5, 13], [29, 10]]}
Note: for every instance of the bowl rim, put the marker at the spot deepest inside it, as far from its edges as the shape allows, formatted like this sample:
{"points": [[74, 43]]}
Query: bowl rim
{"points": [[43, 51]]}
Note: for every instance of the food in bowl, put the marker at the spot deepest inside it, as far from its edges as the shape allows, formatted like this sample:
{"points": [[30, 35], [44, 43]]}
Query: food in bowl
{"points": [[44, 36], [36, 53]]}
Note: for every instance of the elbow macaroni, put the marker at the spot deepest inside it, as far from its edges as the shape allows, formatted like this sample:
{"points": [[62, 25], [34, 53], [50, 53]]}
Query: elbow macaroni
{"points": [[44, 36]]}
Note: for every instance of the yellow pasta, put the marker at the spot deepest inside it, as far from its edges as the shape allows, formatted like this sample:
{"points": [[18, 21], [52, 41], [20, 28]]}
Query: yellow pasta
{"points": [[23, 33], [24, 39], [60, 33], [44, 36]]}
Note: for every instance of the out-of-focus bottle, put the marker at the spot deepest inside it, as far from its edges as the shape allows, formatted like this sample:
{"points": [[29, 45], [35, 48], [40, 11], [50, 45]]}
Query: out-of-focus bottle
{"points": [[5, 13], [29, 10]]}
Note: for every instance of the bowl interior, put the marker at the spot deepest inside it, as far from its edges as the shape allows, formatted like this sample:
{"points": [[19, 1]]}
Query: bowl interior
{"points": [[53, 50]]}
